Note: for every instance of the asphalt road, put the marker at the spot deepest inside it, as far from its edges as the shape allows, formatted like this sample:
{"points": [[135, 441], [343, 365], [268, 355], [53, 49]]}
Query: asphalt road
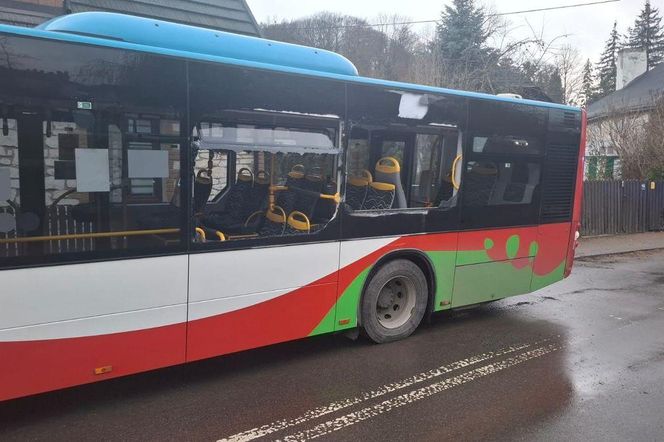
{"points": [[582, 360]]}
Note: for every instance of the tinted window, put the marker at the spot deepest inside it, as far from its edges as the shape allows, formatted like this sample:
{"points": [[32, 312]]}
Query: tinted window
{"points": [[398, 169], [274, 193], [401, 153], [491, 183], [506, 128], [501, 182], [94, 151]]}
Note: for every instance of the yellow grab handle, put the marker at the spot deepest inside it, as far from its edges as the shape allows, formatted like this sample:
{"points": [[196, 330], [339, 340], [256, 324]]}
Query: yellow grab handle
{"points": [[455, 183], [300, 224], [336, 197], [201, 233]]}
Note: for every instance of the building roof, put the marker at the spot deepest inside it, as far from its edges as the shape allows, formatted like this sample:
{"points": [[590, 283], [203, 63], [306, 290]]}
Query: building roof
{"points": [[249, 52], [26, 14], [637, 96], [226, 15]]}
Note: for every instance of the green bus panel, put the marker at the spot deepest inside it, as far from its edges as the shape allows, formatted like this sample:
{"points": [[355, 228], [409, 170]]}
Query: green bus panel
{"points": [[489, 281]]}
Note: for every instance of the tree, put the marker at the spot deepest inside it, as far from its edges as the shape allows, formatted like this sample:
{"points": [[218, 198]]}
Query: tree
{"points": [[567, 62], [647, 34], [606, 68], [469, 49], [461, 41], [346, 35], [546, 78], [588, 88], [461, 31]]}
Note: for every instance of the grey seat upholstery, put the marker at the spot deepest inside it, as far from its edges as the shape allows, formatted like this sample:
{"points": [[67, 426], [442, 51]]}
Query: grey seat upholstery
{"points": [[388, 170], [356, 189], [380, 196]]}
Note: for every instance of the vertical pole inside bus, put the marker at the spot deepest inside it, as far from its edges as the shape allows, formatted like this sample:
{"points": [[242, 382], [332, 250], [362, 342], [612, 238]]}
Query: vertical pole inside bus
{"points": [[30, 134]]}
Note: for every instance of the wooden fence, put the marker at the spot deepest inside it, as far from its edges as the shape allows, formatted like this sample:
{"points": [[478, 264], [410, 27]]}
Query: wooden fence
{"points": [[613, 207]]}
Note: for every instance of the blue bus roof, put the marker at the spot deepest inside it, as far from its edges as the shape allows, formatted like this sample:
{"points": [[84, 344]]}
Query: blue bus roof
{"points": [[172, 39]]}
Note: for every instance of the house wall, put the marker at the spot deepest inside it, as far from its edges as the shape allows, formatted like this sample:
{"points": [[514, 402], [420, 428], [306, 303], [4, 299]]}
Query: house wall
{"points": [[608, 137]]}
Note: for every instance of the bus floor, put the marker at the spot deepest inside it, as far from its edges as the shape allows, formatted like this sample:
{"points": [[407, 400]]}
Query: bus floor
{"points": [[579, 360]]}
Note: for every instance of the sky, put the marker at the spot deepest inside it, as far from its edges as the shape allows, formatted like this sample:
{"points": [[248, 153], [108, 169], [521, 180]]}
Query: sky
{"points": [[587, 27]]}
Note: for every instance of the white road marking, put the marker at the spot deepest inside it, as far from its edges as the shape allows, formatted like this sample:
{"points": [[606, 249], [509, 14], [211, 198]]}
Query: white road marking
{"points": [[315, 413], [416, 395]]}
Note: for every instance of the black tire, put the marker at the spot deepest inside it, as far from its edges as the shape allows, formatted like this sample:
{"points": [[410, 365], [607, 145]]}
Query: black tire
{"points": [[392, 276]]}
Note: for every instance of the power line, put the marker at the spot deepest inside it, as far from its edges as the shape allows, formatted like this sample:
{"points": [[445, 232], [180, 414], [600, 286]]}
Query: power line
{"points": [[498, 14]]}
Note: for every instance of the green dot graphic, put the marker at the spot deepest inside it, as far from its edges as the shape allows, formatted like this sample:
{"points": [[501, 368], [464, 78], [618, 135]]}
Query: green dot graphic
{"points": [[534, 248], [512, 246]]}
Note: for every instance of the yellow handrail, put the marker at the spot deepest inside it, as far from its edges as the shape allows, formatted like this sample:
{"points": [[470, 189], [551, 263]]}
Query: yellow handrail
{"points": [[336, 197], [455, 183], [88, 236]]}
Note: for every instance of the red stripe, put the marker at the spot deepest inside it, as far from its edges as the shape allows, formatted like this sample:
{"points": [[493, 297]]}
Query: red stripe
{"points": [[31, 367], [578, 197]]}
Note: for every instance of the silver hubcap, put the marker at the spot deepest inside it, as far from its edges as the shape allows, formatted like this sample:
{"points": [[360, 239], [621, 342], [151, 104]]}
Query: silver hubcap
{"points": [[396, 302]]}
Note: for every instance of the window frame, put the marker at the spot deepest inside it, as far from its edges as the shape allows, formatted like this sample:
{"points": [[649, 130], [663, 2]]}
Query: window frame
{"points": [[494, 216], [331, 231], [52, 100], [409, 160]]}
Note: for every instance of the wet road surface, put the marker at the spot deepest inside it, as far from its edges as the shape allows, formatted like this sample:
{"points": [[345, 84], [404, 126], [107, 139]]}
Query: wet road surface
{"points": [[583, 359]]}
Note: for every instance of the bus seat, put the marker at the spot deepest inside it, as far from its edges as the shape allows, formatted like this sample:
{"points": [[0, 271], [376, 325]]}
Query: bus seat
{"points": [[388, 171], [274, 222], [296, 176], [380, 196], [248, 195], [325, 207], [236, 203], [516, 184], [307, 202], [479, 184], [238, 193], [298, 223], [202, 190], [356, 189], [314, 180]]}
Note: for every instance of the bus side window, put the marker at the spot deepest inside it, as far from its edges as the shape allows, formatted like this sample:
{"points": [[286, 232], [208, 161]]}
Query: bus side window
{"points": [[284, 184], [389, 183], [495, 183], [359, 151]]}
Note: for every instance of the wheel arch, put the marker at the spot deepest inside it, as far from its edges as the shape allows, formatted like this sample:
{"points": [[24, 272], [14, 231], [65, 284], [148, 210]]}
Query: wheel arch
{"points": [[417, 257]]}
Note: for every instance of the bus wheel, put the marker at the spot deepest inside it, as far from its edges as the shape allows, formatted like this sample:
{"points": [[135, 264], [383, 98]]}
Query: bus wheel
{"points": [[394, 302]]}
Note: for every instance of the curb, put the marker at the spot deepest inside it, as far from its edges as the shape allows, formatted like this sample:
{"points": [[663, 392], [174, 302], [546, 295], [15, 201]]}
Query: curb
{"points": [[624, 252]]}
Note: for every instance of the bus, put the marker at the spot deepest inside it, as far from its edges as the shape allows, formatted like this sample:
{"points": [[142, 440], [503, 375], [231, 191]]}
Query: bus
{"points": [[171, 193]]}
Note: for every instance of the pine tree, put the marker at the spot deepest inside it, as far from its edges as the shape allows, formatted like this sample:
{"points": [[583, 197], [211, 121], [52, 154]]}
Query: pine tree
{"points": [[554, 87], [588, 89], [606, 68], [461, 36], [461, 30], [647, 34]]}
